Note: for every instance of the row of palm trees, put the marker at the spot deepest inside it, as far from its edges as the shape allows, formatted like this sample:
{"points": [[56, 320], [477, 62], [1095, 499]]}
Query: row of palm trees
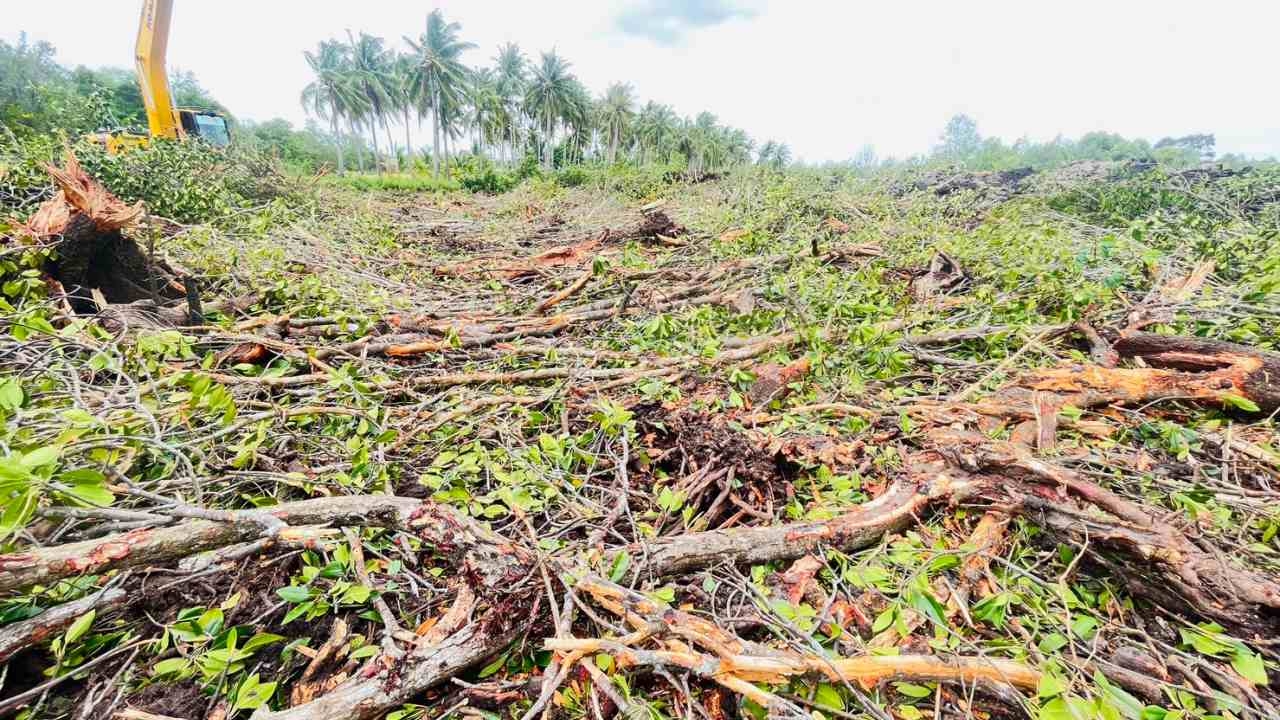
{"points": [[362, 87]]}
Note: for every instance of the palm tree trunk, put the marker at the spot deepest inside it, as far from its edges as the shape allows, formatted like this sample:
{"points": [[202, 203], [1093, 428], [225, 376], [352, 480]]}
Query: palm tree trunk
{"points": [[359, 145], [373, 134], [408, 145], [337, 140], [435, 139], [548, 149], [391, 145], [444, 138]]}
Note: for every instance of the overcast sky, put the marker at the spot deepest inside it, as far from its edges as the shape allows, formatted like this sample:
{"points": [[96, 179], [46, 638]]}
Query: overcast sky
{"points": [[825, 77]]}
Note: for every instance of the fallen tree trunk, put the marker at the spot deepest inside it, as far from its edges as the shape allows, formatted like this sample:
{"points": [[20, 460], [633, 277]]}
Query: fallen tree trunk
{"points": [[1184, 368], [928, 480], [33, 631], [146, 546]]}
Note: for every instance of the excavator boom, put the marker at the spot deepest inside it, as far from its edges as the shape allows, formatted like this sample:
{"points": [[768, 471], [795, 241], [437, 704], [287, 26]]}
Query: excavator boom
{"points": [[163, 118], [153, 77]]}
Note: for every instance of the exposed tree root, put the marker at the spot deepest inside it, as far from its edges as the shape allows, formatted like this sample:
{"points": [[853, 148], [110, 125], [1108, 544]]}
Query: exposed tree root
{"points": [[1185, 368], [1158, 559]]}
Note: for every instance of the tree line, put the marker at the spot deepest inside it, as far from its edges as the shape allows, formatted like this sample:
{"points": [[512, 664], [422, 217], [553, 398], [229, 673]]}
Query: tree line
{"points": [[515, 107], [366, 98]]}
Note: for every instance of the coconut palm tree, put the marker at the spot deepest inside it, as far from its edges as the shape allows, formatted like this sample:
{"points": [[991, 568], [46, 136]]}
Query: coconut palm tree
{"points": [[440, 78], [510, 74], [616, 113], [331, 95], [656, 132], [551, 96], [490, 113], [370, 72], [402, 73]]}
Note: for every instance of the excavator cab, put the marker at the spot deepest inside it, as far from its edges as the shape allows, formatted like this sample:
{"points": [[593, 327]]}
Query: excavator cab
{"points": [[207, 126]]}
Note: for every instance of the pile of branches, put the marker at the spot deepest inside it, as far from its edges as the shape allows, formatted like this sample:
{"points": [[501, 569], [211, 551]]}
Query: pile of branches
{"points": [[634, 564]]}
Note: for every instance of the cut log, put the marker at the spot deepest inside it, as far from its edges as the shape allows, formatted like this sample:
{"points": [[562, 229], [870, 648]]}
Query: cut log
{"points": [[147, 546], [928, 480], [1211, 371], [33, 631]]}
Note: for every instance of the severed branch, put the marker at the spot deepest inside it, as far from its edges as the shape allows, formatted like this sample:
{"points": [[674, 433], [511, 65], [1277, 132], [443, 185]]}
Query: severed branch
{"points": [[1159, 561], [738, 665], [33, 631], [147, 546]]}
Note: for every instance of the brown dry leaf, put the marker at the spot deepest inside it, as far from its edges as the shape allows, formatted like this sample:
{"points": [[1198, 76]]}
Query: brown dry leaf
{"points": [[734, 234], [1183, 288], [772, 380], [835, 225], [426, 625], [798, 578]]}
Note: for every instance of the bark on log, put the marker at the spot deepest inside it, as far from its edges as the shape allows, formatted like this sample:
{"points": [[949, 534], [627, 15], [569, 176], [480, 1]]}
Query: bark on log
{"points": [[1182, 368], [1254, 373], [364, 698], [1156, 558], [33, 631], [164, 544], [928, 480]]}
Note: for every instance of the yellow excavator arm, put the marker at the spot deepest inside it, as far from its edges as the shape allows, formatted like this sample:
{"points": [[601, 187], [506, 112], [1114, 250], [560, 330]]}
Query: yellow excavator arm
{"points": [[164, 119], [153, 77]]}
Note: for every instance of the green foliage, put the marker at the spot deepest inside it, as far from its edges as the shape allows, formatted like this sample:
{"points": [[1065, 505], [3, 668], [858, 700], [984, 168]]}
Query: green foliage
{"points": [[479, 174], [396, 182], [188, 182], [38, 96]]}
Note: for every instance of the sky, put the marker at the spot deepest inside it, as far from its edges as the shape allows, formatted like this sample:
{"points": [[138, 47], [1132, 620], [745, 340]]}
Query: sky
{"points": [[825, 77]]}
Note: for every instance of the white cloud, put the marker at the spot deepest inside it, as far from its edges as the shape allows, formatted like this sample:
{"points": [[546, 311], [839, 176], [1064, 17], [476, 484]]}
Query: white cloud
{"points": [[825, 77]]}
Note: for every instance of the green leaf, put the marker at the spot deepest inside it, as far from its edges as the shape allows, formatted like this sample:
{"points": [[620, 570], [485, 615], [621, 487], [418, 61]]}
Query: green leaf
{"points": [[1250, 666], [621, 562], [828, 696], [297, 612], [1067, 708], [10, 394], [253, 694], [18, 511], [41, 456], [365, 651], [1052, 643], [261, 640], [1050, 686], [95, 495], [912, 690], [493, 667], [883, 621], [357, 594], [80, 626], [172, 666], [1084, 627], [1240, 403], [294, 593]]}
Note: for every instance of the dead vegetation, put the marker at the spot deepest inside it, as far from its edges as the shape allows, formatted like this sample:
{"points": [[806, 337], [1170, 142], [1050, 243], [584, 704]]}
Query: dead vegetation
{"points": [[653, 467]]}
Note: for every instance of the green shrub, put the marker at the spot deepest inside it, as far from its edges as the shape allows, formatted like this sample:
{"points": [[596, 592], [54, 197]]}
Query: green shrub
{"points": [[189, 182], [478, 174], [399, 182], [572, 176]]}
